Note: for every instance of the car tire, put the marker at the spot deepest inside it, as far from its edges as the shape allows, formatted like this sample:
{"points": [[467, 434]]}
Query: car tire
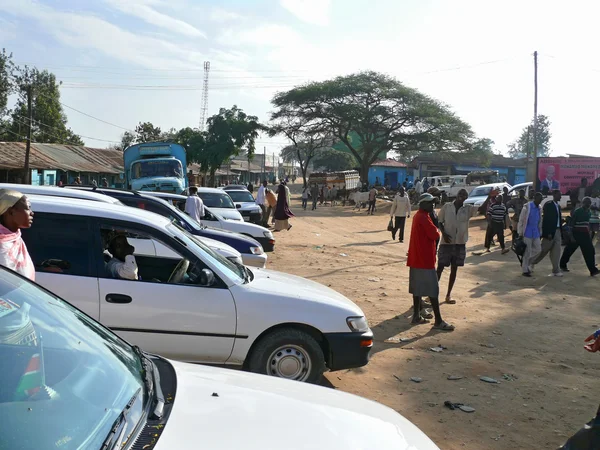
{"points": [[288, 353]]}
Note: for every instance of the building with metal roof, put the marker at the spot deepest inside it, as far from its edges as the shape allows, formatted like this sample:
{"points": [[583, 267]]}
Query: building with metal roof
{"points": [[54, 163]]}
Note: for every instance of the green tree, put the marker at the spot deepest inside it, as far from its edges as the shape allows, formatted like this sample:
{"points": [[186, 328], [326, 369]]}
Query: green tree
{"points": [[523, 145], [194, 142], [385, 114], [147, 132], [483, 151], [227, 134], [334, 160], [49, 122], [6, 85]]}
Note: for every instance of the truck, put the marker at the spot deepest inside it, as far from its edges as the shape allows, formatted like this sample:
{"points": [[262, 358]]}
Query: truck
{"points": [[156, 166], [347, 179], [451, 184]]}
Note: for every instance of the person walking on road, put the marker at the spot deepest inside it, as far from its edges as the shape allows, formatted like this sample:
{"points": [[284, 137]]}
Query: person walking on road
{"points": [[423, 280], [399, 212], [551, 234], [194, 206], [517, 205], [261, 202], [425, 185], [305, 193], [453, 222], [314, 194], [282, 210], [582, 239], [497, 217], [418, 187], [333, 195], [530, 228], [271, 202], [372, 200]]}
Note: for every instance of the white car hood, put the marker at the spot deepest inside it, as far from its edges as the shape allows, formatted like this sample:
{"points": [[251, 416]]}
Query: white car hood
{"points": [[281, 284], [247, 206], [232, 410], [476, 200], [228, 213]]}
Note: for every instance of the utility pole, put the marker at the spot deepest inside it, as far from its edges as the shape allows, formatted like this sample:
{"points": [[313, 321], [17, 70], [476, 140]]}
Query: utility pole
{"points": [[27, 177], [265, 162]]}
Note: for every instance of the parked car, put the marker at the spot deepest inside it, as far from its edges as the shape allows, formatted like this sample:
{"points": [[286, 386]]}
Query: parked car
{"points": [[214, 220], [236, 187], [252, 245], [565, 202], [219, 202], [479, 195], [246, 205], [91, 389], [192, 304]]}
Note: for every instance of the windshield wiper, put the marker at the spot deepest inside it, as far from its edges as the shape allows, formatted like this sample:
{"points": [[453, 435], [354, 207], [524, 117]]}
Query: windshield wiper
{"points": [[152, 381], [117, 432]]}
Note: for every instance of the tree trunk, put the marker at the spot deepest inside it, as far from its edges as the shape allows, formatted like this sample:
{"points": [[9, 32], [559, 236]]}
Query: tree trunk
{"points": [[364, 171], [212, 178]]}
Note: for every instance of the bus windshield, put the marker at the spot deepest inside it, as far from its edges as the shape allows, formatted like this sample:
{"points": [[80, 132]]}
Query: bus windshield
{"points": [[156, 168]]}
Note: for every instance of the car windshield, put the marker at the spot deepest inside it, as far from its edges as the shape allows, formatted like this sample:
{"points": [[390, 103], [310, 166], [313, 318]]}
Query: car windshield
{"points": [[232, 270], [241, 196], [156, 168], [216, 199], [65, 379], [480, 192]]}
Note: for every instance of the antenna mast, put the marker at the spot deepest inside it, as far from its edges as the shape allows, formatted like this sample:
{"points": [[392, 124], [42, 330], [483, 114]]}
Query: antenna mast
{"points": [[204, 108]]}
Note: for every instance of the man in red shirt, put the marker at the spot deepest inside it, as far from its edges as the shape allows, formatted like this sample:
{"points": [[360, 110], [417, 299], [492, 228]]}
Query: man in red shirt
{"points": [[423, 281]]}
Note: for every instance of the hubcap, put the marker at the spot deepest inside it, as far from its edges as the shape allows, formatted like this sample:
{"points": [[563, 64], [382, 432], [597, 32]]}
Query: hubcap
{"points": [[289, 361]]}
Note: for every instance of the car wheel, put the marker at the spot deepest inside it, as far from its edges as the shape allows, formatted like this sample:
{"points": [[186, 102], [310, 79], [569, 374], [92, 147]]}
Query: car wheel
{"points": [[288, 353]]}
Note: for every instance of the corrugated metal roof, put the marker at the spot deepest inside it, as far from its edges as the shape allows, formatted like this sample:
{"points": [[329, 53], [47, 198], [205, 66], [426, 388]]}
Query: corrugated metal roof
{"points": [[65, 157], [388, 163]]}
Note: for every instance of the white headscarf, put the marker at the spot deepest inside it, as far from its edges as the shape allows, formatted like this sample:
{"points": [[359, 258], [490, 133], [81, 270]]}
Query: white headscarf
{"points": [[13, 252]]}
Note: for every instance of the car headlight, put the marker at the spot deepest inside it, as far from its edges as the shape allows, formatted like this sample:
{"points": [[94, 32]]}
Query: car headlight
{"points": [[268, 234], [358, 324], [256, 250]]}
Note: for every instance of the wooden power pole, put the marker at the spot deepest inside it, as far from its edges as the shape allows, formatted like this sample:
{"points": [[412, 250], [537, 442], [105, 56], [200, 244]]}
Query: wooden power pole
{"points": [[27, 175]]}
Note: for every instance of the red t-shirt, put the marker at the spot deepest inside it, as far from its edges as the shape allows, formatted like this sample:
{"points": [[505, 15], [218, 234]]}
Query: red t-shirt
{"points": [[423, 234]]}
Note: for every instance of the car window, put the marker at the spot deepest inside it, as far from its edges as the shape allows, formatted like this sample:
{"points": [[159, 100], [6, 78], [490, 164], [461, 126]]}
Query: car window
{"points": [[480, 192], [137, 256], [61, 244], [216, 199], [241, 196], [65, 379]]}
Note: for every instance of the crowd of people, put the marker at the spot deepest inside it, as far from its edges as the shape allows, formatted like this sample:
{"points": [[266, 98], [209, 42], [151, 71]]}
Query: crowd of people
{"points": [[275, 208]]}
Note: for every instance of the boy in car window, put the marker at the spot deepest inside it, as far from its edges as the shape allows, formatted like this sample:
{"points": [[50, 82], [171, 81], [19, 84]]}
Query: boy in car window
{"points": [[122, 264]]}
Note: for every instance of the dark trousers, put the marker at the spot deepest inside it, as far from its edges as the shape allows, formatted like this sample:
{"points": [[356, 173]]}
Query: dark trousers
{"points": [[314, 203], [264, 218], [371, 206], [399, 225], [304, 203], [494, 229], [583, 241]]}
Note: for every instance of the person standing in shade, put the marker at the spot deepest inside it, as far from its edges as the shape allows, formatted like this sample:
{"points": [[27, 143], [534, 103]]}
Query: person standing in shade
{"points": [[423, 280], [333, 195], [530, 227], [551, 234], [400, 211], [194, 206], [405, 183], [425, 184], [453, 222], [582, 239], [517, 205], [305, 192], [250, 188], [418, 187], [372, 200], [314, 194], [261, 202], [497, 223]]}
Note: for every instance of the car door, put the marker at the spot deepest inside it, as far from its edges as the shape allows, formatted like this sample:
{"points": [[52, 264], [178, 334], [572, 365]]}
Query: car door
{"points": [[62, 247], [184, 321], [210, 220]]}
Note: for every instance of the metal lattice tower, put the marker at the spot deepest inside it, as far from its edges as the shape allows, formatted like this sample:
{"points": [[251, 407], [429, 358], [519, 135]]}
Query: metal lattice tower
{"points": [[204, 108]]}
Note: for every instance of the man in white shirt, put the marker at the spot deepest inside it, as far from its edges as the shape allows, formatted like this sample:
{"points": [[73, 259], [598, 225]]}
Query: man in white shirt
{"points": [[122, 264], [400, 211], [194, 206], [260, 201]]}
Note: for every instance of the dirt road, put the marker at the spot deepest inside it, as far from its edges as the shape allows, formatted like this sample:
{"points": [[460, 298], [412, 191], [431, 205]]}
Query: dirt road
{"points": [[526, 333]]}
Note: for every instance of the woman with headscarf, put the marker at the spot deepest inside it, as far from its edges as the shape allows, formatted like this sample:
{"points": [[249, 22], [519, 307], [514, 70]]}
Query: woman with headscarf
{"points": [[15, 213], [282, 210]]}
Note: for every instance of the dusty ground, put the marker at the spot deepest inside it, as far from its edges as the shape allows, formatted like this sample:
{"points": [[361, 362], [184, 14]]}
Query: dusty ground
{"points": [[526, 333]]}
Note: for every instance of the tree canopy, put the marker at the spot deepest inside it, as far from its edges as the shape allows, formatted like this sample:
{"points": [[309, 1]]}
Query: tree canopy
{"points": [[334, 160], [521, 147], [385, 114]]}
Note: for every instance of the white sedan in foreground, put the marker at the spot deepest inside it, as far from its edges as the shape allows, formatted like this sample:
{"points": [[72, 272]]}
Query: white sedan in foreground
{"points": [[73, 384]]}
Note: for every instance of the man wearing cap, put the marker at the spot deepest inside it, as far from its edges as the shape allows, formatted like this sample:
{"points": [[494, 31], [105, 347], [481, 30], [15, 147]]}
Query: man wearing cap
{"points": [[423, 281]]}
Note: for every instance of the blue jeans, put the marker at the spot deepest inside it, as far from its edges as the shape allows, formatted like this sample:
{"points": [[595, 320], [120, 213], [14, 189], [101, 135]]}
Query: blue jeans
{"points": [[304, 203]]}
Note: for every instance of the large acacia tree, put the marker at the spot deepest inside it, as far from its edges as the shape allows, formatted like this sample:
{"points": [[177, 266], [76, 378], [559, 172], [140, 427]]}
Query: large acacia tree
{"points": [[385, 115]]}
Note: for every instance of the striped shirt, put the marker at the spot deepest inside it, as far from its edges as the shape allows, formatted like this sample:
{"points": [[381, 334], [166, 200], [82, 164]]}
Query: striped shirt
{"points": [[497, 212], [581, 220]]}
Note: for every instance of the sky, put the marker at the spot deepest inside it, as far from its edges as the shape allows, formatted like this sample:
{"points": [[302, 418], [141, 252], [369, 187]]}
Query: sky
{"points": [[130, 61]]}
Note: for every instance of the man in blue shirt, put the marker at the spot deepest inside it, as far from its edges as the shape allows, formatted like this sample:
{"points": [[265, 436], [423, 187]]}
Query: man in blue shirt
{"points": [[530, 227]]}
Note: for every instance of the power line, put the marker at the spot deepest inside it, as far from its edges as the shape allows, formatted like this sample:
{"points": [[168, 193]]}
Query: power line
{"points": [[56, 129], [96, 118]]}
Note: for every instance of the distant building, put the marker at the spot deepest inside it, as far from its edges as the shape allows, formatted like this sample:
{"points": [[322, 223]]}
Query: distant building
{"points": [[54, 163], [436, 164], [388, 172]]}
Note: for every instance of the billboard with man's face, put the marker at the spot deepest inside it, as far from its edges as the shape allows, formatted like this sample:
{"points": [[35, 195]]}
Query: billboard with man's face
{"points": [[566, 173]]}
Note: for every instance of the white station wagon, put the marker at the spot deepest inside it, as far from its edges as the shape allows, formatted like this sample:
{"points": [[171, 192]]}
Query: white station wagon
{"points": [[190, 303]]}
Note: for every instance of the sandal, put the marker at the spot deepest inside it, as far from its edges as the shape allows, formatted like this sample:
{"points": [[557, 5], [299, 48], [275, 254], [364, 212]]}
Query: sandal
{"points": [[505, 251], [450, 301], [419, 321], [426, 314], [444, 326]]}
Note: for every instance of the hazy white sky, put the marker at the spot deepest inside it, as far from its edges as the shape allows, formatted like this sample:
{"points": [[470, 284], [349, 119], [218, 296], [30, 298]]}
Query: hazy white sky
{"points": [[141, 60]]}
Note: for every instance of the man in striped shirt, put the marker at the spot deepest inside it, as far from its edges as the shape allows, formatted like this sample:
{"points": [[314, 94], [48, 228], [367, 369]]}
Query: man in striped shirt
{"points": [[582, 239], [497, 216]]}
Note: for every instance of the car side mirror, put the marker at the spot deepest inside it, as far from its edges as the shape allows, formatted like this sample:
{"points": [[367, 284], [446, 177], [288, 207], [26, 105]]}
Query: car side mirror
{"points": [[207, 278], [238, 206]]}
